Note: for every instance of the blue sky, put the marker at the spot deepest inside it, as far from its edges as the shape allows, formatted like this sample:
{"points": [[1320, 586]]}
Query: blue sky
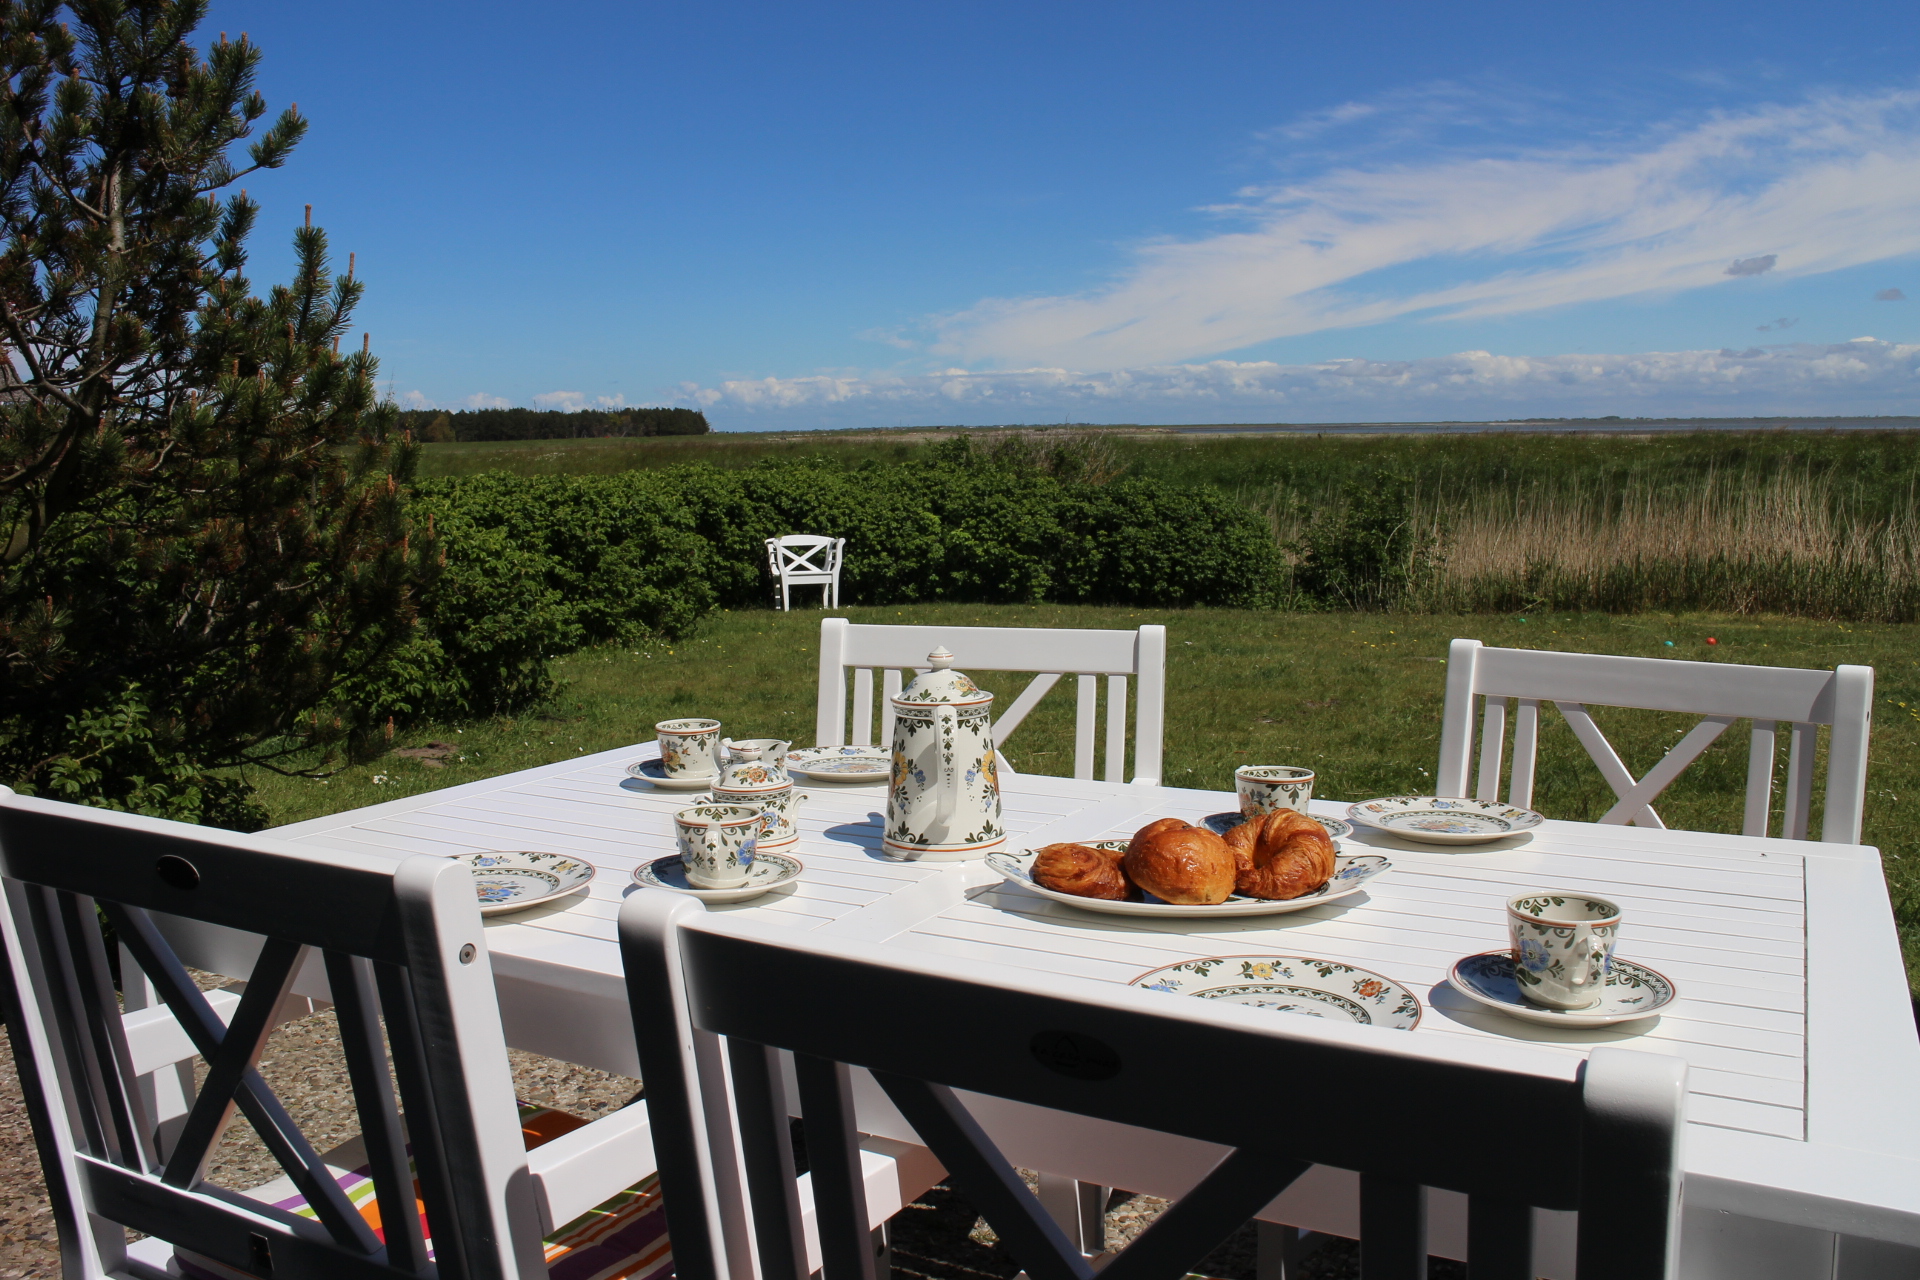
{"points": [[877, 214]]}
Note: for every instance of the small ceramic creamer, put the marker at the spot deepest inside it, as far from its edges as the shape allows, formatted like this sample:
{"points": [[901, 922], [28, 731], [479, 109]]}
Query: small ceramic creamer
{"points": [[943, 796], [764, 785]]}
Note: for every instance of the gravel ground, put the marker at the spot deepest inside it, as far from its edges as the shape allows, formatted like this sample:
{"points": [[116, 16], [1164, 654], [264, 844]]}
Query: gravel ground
{"points": [[939, 1237]]}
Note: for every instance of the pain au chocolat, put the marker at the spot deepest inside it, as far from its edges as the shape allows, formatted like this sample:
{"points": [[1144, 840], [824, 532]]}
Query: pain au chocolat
{"points": [[1083, 872], [1282, 854], [1179, 863]]}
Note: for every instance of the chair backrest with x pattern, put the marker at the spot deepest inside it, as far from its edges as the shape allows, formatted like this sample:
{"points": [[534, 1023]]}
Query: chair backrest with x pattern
{"points": [[1720, 692], [401, 950], [804, 557], [1140, 1058], [897, 652]]}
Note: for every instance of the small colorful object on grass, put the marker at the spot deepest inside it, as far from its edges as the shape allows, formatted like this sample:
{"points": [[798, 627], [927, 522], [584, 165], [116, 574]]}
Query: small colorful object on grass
{"points": [[1711, 640]]}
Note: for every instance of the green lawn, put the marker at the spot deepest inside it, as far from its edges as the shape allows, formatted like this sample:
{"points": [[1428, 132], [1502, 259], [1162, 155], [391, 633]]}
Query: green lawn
{"points": [[1357, 696]]}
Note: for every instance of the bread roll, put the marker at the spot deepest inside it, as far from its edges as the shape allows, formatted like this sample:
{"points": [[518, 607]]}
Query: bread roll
{"points": [[1179, 863], [1083, 872], [1280, 855]]}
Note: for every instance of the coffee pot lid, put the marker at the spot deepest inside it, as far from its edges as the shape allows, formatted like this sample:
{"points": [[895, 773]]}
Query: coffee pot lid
{"points": [[747, 772], [942, 683]]}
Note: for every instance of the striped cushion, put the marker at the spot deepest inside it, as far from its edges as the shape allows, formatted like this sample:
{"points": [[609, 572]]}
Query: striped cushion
{"points": [[622, 1238]]}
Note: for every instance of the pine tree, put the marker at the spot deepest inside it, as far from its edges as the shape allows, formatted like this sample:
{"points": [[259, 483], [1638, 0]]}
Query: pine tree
{"points": [[202, 529]]}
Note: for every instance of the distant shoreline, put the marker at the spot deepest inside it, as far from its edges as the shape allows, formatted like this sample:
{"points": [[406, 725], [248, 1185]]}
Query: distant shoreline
{"points": [[1517, 426]]}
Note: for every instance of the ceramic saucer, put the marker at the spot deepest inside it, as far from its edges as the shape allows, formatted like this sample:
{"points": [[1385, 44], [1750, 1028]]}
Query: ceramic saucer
{"points": [[651, 771], [769, 871], [1632, 991], [841, 764], [1350, 875], [512, 879], [1291, 984], [1225, 822], [1444, 819]]}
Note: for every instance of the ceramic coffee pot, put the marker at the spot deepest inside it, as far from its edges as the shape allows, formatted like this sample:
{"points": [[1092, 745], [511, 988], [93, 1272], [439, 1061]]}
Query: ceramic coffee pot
{"points": [[764, 785], [943, 801], [773, 751]]}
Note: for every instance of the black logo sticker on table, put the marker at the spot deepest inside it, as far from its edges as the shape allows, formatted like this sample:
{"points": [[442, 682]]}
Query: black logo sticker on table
{"points": [[1072, 1054]]}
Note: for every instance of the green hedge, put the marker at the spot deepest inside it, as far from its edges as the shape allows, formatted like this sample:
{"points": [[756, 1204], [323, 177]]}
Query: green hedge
{"points": [[539, 566]]}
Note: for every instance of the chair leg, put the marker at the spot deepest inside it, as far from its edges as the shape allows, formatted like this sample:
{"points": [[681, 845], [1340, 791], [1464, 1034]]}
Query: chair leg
{"points": [[1080, 1208], [1281, 1252]]}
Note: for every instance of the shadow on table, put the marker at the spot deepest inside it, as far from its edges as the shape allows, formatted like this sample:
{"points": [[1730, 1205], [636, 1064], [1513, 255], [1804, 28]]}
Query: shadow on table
{"points": [[1443, 1001]]}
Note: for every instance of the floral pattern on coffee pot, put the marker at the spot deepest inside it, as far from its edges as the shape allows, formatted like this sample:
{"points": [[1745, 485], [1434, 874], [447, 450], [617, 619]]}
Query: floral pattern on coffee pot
{"points": [[763, 784], [943, 798]]}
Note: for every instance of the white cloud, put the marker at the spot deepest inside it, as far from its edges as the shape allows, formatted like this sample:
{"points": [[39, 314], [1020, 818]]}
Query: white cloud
{"points": [[1830, 183], [416, 400], [481, 400], [574, 401], [1862, 376]]}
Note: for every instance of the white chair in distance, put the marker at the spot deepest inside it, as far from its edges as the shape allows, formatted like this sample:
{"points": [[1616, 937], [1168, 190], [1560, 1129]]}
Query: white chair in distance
{"points": [[393, 946], [1050, 651], [935, 1038], [1721, 692], [806, 560]]}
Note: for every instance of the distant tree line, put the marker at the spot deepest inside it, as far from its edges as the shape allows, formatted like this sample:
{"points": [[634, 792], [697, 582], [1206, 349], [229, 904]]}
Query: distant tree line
{"points": [[441, 426]]}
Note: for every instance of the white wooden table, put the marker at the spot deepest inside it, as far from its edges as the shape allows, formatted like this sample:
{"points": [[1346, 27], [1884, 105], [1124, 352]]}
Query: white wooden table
{"points": [[1803, 1147]]}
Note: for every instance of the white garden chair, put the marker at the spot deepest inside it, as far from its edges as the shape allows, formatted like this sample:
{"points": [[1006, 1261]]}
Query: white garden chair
{"points": [[1053, 652], [926, 1032], [124, 1137], [804, 560], [1720, 692]]}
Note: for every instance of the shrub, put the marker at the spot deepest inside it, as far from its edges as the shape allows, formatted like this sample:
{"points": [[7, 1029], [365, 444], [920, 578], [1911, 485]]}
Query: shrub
{"points": [[1365, 551], [538, 566]]}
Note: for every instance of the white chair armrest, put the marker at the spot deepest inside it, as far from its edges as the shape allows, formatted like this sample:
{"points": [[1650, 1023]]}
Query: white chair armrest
{"points": [[896, 1174], [578, 1170]]}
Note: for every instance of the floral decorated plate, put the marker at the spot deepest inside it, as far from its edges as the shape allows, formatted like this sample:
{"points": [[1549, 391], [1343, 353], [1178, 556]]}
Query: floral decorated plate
{"points": [[512, 880], [1291, 984], [1225, 822], [1444, 819], [1631, 991], [841, 764], [1350, 875], [653, 771], [769, 871]]}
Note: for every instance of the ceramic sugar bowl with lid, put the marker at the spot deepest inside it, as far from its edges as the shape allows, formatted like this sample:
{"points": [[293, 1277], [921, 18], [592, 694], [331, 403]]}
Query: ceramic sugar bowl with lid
{"points": [[943, 796], [749, 780]]}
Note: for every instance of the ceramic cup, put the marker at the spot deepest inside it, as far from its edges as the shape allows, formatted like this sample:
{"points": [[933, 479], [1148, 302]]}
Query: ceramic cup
{"points": [[1562, 946], [717, 842], [779, 803], [1264, 788], [689, 749]]}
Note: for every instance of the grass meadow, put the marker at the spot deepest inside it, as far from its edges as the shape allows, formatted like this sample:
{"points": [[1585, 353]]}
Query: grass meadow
{"points": [[1357, 696]]}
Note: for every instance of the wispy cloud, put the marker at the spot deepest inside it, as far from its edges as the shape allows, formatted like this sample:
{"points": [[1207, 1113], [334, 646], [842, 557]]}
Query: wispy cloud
{"points": [[1862, 376], [574, 401], [1789, 190]]}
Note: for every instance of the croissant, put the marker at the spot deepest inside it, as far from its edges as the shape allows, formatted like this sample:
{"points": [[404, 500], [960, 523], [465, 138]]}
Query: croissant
{"points": [[1083, 872], [1180, 863], [1282, 854]]}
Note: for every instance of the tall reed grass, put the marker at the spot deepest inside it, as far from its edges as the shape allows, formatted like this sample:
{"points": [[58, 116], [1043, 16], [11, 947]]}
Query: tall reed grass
{"points": [[1795, 543]]}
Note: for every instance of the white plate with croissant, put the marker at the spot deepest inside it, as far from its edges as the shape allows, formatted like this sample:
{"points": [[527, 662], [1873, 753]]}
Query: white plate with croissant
{"points": [[1279, 862]]}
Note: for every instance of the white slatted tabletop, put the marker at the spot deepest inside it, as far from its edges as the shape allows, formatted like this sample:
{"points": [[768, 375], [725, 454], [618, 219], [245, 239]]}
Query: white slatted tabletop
{"points": [[1792, 1013]]}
